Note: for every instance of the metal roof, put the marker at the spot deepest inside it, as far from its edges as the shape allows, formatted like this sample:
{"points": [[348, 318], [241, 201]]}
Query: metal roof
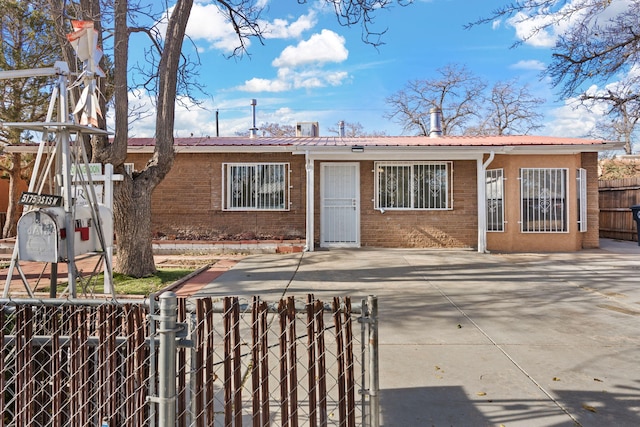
{"points": [[378, 141], [400, 145]]}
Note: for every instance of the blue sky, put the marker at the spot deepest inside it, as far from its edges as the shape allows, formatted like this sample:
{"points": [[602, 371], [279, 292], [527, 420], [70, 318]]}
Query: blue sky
{"points": [[310, 68]]}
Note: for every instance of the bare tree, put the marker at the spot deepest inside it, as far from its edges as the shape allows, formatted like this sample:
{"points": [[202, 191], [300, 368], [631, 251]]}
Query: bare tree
{"points": [[509, 109], [132, 198], [352, 130], [132, 213], [599, 39], [596, 41], [25, 32], [456, 91], [276, 129], [623, 102], [363, 12], [166, 74]]}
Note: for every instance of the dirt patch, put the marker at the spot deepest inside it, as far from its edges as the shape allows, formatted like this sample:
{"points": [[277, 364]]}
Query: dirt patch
{"points": [[190, 261]]}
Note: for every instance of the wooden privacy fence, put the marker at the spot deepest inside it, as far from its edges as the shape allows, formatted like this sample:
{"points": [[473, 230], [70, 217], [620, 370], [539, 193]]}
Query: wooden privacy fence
{"points": [[615, 198], [181, 362]]}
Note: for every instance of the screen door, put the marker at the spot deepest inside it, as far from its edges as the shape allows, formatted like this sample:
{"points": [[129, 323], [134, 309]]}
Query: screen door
{"points": [[340, 205]]}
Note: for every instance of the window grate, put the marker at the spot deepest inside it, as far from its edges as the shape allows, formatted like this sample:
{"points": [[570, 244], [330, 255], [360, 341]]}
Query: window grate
{"points": [[582, 199], [543, 200], [256, 186], [495, 199], [413, 185]]}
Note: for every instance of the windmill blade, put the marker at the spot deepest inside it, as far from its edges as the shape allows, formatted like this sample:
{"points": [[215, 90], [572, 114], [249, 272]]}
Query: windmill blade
{"points": [[82, 102], [84, 41]]}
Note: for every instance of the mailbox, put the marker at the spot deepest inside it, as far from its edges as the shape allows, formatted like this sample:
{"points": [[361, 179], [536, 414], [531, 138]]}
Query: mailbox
{"points": [[39, 234], [42, 233]]}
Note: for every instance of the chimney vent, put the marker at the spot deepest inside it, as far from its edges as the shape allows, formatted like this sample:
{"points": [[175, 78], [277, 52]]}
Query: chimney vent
{"points": [[435, 131], [341, 128], [253, 130]]}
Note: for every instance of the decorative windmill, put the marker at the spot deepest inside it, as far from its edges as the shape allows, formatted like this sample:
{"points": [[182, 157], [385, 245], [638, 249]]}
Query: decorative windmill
{"points": [[54, 227], [84, 40]]}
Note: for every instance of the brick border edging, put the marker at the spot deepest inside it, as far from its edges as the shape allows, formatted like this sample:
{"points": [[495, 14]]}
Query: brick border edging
{"points": [[227, 246]]}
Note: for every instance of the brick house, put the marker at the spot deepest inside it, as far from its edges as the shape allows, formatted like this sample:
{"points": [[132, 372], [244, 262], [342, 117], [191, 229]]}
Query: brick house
{"points": [[490, 193]]}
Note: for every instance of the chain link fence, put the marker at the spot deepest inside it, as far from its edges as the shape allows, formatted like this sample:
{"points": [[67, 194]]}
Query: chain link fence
{"points": [[196, 362], [73, 363]]}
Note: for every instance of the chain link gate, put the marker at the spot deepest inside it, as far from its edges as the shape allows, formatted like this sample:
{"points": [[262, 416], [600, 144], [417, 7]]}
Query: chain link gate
{"points": [[201, 362], [73, 363]]}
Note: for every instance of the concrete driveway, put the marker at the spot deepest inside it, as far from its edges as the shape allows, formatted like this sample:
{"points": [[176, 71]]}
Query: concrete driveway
{"points": [[470, 339]]}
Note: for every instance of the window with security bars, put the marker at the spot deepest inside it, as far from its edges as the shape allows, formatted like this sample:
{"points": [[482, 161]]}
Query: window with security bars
{"points": [[582, 199], [495, 200], [256, 186], [413, 185], [543, 200]]}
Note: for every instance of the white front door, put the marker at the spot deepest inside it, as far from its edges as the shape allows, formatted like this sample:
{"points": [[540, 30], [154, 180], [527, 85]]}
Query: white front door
{"points": [[340, 205]]}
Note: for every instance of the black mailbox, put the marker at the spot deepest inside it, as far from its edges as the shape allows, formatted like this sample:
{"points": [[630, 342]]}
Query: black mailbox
{"points": [[636, 216]]}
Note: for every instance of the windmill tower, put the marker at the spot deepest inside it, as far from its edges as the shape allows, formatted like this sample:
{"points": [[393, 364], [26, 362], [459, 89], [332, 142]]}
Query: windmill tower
{"points": [[54, 228]]}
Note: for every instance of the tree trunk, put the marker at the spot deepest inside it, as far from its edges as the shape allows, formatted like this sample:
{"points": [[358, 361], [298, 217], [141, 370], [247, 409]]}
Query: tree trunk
{"points": [[9, 229], [132, 214], [132, 196], [132, 210]]}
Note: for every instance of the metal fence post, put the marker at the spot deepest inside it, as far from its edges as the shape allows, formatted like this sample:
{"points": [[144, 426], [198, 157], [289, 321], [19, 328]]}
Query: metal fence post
{"points": [[167, 360], [374, 378]]}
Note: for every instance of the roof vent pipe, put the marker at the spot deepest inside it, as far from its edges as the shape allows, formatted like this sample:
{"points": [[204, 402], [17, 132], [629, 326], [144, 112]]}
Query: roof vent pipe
{"points": [[253, 130], [435, 131], [341, 128]]}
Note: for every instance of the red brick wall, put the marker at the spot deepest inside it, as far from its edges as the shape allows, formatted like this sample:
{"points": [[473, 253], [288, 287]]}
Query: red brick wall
{"points": [[455, 228], [188, 203]]}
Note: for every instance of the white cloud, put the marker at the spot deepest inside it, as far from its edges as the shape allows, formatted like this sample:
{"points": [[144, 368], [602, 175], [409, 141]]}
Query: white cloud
{"points": [[531, 64], [282, 29], [198, 120], [634, 72], [145, 123], [574, 120], [532, 30], [207, 23], [299, 66], [496, 24], [289, 78], [264, 85], [326, 46], [336, 78], [542, 27]]}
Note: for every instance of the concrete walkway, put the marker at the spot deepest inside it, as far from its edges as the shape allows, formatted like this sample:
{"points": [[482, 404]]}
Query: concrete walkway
{"points": [[470, 339]]}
